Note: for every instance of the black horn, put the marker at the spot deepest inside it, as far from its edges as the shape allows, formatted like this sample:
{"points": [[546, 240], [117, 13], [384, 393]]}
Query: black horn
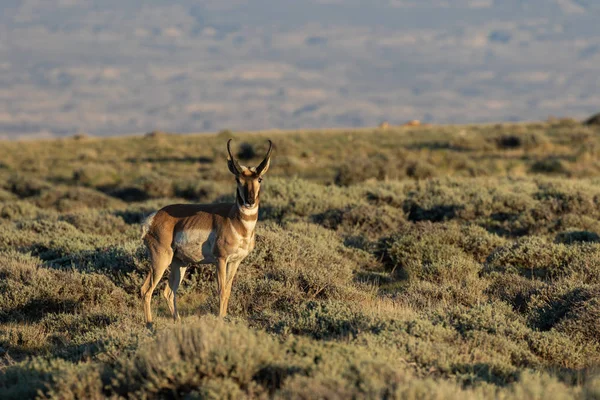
{"points": [[234, 165], [264, 165]]}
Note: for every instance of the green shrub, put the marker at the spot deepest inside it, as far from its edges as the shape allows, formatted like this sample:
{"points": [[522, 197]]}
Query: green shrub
{"points": [[526, 141], [535, 257], [18, 209], [72, 199], [378, 167], [26, 186], [549, 166], [155, 186], [188, 358], [514, 289], [421, 170], [367, 220], [423, 249], [96, 175], [577, 237], [291, 199]]}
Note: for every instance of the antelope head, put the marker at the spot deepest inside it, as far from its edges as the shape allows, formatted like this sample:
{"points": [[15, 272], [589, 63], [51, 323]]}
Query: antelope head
{"points": [[248, 178]]}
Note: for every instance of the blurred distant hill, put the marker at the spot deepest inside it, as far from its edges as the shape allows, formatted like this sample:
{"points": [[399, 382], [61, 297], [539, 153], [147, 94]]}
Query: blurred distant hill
{"points": [[111, 66]]}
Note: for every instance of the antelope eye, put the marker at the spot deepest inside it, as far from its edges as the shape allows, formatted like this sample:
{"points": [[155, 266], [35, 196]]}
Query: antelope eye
{"points": [[259, 180]]}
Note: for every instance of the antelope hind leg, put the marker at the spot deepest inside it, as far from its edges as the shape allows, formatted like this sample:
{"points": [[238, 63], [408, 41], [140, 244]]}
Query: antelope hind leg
{"points": [[170, 293], [160, 258]]}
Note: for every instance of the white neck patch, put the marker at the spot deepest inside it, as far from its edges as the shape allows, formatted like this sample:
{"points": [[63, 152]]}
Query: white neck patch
{"points": [[248, 211]]}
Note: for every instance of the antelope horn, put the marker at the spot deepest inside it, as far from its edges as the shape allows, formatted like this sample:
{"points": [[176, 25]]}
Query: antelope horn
{"points": [[232, 160], [265, 163]]}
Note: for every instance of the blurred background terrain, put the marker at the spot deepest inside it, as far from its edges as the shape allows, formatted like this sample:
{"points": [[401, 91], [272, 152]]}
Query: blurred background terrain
{"points": [[112, 67]]}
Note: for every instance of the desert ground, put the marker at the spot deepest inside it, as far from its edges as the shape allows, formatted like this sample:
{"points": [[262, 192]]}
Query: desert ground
{"points": [[407, 262]]}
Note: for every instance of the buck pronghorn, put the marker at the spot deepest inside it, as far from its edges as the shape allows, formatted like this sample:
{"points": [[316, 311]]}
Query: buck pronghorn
{"points": [[180, 235]]}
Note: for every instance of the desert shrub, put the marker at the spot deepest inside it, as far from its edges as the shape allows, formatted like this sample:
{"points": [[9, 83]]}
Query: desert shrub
{"points": [[466, 166], [201, 191], [325, 320], [100, 223], [441, 200], [526, 141], [470, 141], [38, 236], [6, 195], [511, 208], [549, 166], [367, 220], [582, 320], [26, 186], [508, 141], [567, 308], [31, 291], [536, 257], [155, 186], [18, 209], [421, 170], [96, 175], [246, 152], [435, 201], [575, 222], [36, 299], [188, 358], [288, 165], [559, 350], [71, 199], [82, 245], [30, 378], [156, 134], [128, 194], [290, 266], [225, 134], [125, 264], [436, 262], [291, 199], [418, 247], [385, 193], [82, 382], [496, 318], [514, 289], [563, 197], [377, 166], [135, 213], [576, 237]]}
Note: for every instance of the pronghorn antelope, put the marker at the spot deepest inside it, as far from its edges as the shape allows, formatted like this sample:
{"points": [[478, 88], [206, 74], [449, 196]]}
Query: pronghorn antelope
{"points": [[222, 234]]}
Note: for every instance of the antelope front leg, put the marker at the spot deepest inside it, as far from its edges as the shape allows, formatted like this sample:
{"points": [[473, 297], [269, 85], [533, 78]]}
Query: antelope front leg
{"points": [[222, 283], [231, 270]]}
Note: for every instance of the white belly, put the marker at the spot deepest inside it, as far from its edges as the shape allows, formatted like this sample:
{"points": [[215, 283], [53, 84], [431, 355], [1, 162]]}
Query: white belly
{"points": [[195, 246]]}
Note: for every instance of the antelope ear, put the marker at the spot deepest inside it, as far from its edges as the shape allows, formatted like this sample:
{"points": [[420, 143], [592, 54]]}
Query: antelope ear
{"points": [[265, 167]]}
